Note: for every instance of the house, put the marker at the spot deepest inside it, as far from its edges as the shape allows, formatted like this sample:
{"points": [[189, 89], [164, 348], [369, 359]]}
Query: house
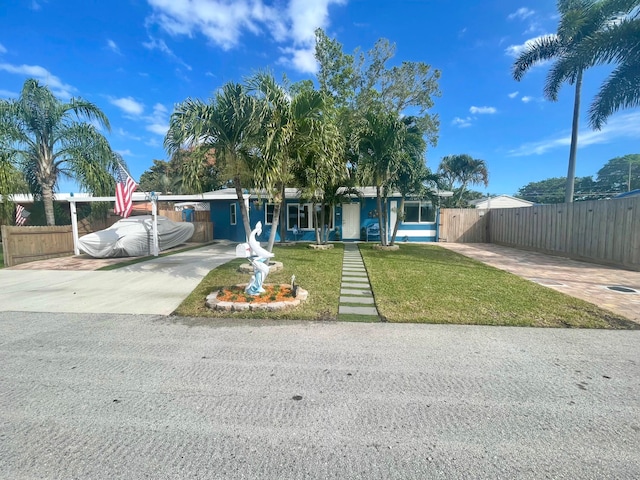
{"points": [[501, 201], [347, 221], [631, 193]]}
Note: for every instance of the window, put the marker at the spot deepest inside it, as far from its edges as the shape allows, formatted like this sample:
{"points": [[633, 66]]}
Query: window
{"points": [[232, 214], [268, 213], [419, 212], [301, 215]]}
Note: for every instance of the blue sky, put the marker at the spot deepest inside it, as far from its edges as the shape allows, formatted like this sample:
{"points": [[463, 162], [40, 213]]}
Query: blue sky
{"points": [[137, 58]]}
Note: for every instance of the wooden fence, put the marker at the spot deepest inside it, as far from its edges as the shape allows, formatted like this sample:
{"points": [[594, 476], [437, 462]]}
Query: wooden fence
{"points": [[28, 244], [464, 225], [601, 231], [198, 215]]}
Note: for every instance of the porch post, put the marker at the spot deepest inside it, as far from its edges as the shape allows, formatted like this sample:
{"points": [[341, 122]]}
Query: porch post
{"points": [[74, 226]]}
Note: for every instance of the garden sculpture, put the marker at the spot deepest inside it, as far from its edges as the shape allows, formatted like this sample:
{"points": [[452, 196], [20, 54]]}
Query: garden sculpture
{"points": [[259, 258]]}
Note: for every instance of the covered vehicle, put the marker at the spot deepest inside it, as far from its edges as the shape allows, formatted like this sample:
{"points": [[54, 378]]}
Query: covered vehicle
{"points": [[133, 237]]}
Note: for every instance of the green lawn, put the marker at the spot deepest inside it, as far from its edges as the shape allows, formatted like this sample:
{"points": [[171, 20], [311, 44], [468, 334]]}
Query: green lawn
{"points": [[429, 284], [318, 271], [417, 284]]}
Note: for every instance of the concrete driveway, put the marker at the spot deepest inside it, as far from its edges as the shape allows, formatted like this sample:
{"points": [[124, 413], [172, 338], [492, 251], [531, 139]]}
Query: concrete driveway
{"points": [[136, 396], [156, 286]]}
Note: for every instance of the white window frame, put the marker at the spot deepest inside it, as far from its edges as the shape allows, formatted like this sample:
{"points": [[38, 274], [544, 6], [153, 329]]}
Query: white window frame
{"points": [[419, 204], [311, 216], [266, 212], [233, 214]]}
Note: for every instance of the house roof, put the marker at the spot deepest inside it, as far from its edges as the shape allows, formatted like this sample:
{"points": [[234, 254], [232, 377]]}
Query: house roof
{"points": [[631, 193], [501, 197], [366, 192]]}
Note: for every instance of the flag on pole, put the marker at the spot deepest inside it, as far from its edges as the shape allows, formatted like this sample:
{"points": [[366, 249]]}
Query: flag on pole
{"points": [[21, 215], [125, 187]]}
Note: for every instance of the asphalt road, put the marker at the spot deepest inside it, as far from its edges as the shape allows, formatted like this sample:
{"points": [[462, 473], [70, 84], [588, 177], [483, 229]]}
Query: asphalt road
{"points": [[107, 396]]}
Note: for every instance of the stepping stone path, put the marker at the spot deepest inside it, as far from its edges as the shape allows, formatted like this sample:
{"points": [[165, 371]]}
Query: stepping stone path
{"points": [[356, 299]]}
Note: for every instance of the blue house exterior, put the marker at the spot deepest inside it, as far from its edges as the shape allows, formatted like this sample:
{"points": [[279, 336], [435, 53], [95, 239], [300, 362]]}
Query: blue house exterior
{"points": [[347, 222]]}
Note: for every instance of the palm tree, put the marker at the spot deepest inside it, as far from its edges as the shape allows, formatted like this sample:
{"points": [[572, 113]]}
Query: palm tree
{"points": [[381, 136], [229, 123], [579, 19], [618, 43], [298, 135], [11, 182], [48, 138], [463, 170]]}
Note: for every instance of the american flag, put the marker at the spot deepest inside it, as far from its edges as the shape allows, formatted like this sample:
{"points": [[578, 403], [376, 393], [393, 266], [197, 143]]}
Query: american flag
{"points": [[21, 215], [124, 192]]}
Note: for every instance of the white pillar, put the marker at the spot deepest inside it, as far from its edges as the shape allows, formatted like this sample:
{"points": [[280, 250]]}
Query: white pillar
{"points": [[154, 212], [74, 227]]}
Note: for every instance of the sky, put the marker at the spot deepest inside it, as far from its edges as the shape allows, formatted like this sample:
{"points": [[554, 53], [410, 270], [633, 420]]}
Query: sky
{"points": [[137, 59]]}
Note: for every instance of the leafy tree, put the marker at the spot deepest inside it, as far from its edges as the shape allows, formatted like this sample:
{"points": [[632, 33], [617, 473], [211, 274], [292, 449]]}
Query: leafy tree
{"points": [[462, 170], [579, 20], [229, 124], [48, 138], [619, 174], [160, 177], [11, 182], [551, 190]]}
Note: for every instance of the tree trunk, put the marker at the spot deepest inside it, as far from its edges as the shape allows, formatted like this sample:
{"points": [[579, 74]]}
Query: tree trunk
{"points": [[399, 218], [316, 229], [324, 232], [274, 226], [243, 206], [283, 213], [380, 220], [571, 171], [47, 198]]}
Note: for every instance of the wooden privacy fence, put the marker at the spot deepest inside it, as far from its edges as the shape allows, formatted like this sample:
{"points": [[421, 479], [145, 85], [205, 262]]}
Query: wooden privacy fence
{"points": [[195, 215], [601, 231], [463, 225], [28, 244]]}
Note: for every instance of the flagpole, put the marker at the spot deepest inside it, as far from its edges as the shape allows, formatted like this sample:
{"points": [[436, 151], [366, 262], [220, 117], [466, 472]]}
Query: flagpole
{"points": [[154, 212]]}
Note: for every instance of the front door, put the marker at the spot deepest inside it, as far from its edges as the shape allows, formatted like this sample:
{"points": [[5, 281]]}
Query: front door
{"points": [[351, 221]]}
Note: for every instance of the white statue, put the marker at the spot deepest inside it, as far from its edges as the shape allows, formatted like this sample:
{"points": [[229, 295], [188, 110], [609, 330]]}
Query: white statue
{"points": [[259, 258]]}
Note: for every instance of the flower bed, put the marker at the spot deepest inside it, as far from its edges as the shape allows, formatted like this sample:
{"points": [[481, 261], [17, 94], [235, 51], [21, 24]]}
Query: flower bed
{"points": [[275, 297]]}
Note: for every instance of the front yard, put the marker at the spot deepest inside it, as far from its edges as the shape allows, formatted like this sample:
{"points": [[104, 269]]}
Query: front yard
{"points": [[417, 284]]}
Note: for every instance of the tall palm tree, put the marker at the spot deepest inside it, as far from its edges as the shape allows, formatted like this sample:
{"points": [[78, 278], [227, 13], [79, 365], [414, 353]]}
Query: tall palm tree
{"points": [[579, 19], [463, 170], [229, 123], [618, 43], [297, 129], [50, 138], [381, 136]]}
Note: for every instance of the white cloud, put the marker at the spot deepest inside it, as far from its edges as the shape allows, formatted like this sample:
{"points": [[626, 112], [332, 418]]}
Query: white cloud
{"points": [[513, 94], [516, 50], [124, 133], [527, 99], [58, 88], [622, 126], [2, 49], [113, 46], [157, 121], [128, 105], [159, 44], [461, 122], [521, 14], [224, 22], [302, 59], [8, 94], [158, 128], [482, 110], [125, 153]]}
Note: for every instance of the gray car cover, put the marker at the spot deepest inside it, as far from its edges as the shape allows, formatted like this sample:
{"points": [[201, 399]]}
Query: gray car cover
{"points": [[133, 237]]}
